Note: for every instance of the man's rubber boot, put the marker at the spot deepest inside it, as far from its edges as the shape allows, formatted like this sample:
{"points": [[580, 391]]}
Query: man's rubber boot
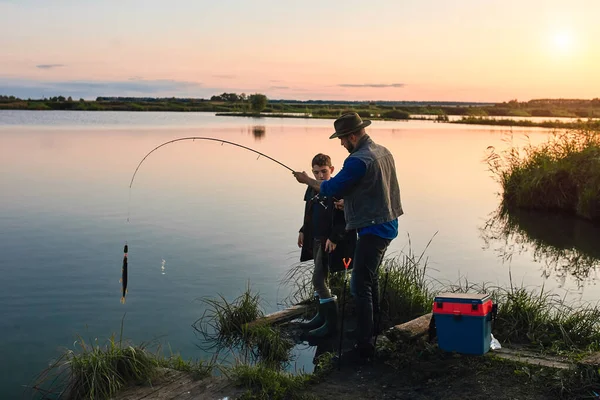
{"points": [[329, 327]]}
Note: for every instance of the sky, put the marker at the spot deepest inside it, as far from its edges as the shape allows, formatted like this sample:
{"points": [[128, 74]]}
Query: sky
{"points": [[413, 50]]}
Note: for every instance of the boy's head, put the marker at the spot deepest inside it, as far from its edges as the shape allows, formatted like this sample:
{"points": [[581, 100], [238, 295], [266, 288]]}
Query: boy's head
{"points": [[321, 167]]}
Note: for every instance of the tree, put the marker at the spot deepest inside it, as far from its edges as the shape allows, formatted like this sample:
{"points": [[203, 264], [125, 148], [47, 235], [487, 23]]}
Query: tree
{"points": [[257, 102]]}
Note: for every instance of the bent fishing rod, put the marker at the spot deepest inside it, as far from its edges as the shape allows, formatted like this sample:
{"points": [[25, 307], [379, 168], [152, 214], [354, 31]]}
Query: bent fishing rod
{"points": [[192, 138]]}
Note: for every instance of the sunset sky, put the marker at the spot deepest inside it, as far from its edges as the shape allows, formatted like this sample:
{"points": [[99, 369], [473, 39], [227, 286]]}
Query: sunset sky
{"points": [[462, 50]]}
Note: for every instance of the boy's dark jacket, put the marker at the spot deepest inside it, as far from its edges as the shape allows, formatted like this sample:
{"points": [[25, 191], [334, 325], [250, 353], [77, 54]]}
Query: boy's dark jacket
{"points": [[335, 226]]}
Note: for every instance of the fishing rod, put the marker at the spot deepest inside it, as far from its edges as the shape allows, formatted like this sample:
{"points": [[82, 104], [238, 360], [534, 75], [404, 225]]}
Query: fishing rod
{"points": [[192, 138]]}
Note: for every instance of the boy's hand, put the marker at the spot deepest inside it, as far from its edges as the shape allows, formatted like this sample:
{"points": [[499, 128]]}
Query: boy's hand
{"points": [[330, 246], [339, 204], [300, 239]]}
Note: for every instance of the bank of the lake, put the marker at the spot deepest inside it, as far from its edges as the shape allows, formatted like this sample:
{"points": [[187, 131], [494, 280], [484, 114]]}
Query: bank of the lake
{"points": [[559, 175], [407, 365]]}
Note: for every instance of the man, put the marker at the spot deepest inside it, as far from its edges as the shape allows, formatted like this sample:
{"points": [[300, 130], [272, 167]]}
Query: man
{"points": [[369, 187]]}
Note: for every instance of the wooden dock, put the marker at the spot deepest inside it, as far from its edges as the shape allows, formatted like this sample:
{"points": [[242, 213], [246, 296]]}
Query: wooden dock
{"points": [[282, 316], [179, 385]]}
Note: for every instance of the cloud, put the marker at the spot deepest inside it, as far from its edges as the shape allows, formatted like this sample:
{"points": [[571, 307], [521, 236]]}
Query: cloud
{"points": [[133, 87], [224, 76], [49, 66], [279, 87], [372, 85]]}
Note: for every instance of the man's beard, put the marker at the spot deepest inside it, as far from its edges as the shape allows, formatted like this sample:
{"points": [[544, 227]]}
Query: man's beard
{"points": [[350, 148]]}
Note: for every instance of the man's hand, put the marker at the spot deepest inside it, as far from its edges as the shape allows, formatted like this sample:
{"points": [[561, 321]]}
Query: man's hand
{"points": [[330, 246], [300, 239], [339, 204], [302, 177]]}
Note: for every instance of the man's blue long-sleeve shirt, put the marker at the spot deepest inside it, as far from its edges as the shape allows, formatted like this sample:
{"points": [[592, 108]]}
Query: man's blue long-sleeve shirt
{"points": [[352, 171]]}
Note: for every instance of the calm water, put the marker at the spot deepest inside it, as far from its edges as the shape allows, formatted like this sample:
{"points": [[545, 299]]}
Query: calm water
{"points": [[220, 218]]}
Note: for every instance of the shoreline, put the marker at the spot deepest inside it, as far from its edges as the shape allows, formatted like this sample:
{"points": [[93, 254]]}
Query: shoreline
{"points": [[485, 121]]}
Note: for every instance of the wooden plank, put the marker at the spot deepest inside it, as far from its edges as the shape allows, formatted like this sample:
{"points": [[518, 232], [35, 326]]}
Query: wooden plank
{"points": [[160, 388], [531, 358], [410, 330], [213, 388], [592, 360], [281, 316], [168, 377], [183, 386]]}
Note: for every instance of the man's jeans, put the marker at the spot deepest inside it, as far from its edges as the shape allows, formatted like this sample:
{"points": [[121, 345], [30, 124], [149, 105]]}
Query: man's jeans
{"points": [[364, 284]]}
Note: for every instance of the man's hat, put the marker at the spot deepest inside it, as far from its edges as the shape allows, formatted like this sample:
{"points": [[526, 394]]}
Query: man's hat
{"points": [[347, 124]]}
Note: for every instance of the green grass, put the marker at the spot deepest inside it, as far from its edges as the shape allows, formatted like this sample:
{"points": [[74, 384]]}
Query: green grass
{"points": [[544, 321], [92, 371], [484, 120], [224, 328], [562, 174], [268, 384], [408, 294]]}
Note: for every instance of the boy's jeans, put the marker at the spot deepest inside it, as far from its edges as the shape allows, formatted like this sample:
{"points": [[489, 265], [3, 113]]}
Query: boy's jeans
{"points": [[364, 284], [319, 279]]}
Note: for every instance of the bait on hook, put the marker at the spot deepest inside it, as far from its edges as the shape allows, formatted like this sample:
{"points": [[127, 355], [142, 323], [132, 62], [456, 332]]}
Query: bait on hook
{"points": [[124, 274]]}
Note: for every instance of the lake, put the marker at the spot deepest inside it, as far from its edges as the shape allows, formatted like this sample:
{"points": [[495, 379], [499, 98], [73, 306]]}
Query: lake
{"points": [[217, 219]]}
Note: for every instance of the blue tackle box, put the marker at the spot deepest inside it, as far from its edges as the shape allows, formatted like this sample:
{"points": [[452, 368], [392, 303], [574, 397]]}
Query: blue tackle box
{"points": [[463, 322]]}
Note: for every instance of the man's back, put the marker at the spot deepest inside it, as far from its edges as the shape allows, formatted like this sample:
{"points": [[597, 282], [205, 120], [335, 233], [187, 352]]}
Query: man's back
{"points": [[376, 197]]}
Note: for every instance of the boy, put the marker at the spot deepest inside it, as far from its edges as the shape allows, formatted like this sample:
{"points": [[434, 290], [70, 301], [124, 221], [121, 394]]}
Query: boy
{"points": [[323, 237]]}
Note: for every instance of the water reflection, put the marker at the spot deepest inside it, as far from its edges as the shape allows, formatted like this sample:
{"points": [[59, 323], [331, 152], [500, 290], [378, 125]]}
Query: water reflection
{"points": [[259, 132], [564, 245]]}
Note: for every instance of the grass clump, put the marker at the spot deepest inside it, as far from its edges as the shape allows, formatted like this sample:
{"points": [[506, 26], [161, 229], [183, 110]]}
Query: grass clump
{"points": [[268, 384], [100, 372], [223, 323], [545, 321], [561, 174], [225, 326], [405, 288]]}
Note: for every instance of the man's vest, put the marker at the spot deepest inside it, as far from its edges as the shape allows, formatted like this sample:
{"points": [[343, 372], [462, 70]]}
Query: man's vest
{"points": [[376, 197]]}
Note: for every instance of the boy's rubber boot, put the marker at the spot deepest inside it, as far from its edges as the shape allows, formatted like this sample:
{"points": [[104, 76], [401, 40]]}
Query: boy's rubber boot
{"points": [[329, 327], [316, 321]]}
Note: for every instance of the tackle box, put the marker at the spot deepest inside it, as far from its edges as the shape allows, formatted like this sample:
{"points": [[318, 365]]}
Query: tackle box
{"points": [[463, 322]]}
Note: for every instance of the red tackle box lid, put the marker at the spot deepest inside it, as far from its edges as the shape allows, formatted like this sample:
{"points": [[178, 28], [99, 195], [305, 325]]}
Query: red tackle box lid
{"points": [[470, 298], [468, 304]]}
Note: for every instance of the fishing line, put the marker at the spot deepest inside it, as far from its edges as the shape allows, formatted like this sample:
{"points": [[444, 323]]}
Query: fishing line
{"points": [[193, 138]]}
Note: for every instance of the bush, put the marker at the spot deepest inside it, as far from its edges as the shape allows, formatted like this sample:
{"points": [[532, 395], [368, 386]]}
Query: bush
{"points": [[396, 114], [561, 174]]}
